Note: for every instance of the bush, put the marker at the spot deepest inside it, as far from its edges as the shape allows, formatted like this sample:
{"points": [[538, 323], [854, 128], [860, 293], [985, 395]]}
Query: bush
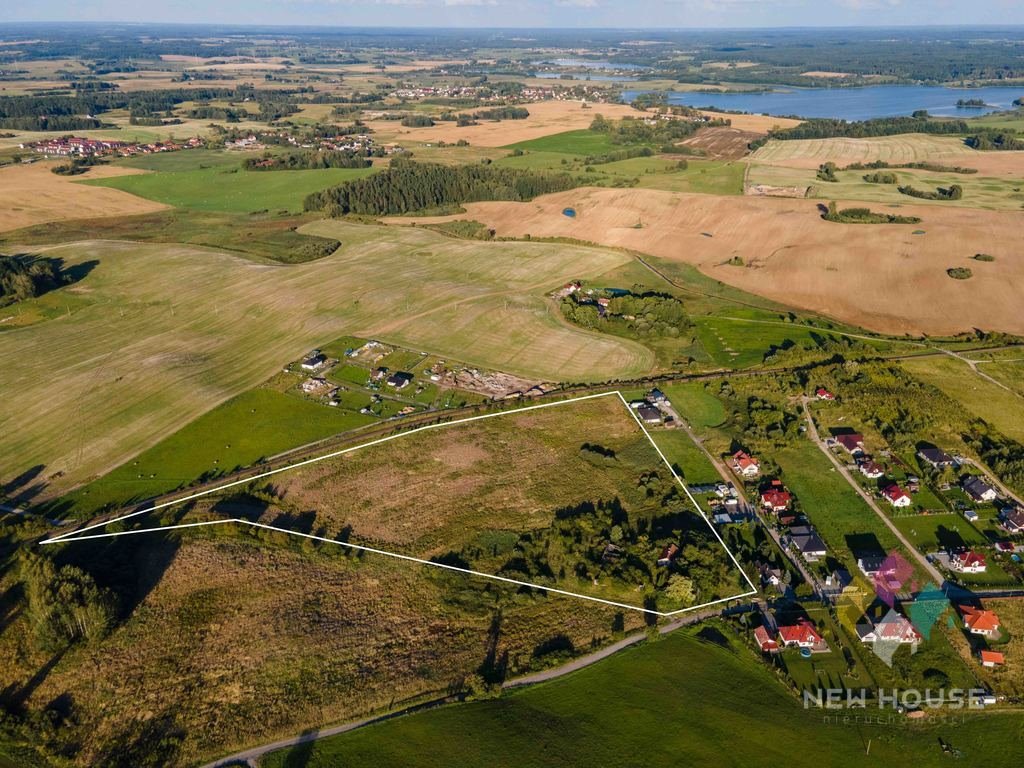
{"points": [[959, 273], [983, 257], [880, 178]]}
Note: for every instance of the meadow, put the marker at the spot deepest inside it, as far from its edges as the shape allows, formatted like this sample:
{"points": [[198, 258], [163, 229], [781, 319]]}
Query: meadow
{"points": [[681, 699], [159, 334], [230, 639], [512, 476], [232, 189], [1000, 408]]}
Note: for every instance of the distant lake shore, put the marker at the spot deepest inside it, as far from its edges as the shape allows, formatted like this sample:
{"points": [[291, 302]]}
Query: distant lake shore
{"points": [[861, 103]]}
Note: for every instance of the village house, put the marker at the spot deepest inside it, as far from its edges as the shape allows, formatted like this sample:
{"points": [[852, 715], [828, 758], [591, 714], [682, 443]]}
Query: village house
{"points": [[897, 496], [893, 627], [744, 464], [776, 498], [992, 659], [656, 396], [871, 470], [870, 565], [978, 490], [314, 362], [668, 554], [802, 635], [399, 380], [936, 457], [836, 582], [968, 562], [823, 394], [978, 621], [649, 414], [1013, 519], [852, 442], [807, 542]]}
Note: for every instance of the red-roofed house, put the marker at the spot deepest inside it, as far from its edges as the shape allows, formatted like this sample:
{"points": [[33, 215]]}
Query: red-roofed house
{"points": [[992, 659], [765, 641], [897, 496], [823, 394], [978, 621], [871, 470], [802, 635], [776, 499], [968, 562], [745, 465], [668, 554], [893, 627]]}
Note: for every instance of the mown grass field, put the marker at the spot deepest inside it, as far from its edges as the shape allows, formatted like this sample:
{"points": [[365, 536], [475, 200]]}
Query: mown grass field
{"points": [[159, 334], [233, 189], [579, 142], [682, 700], [904, 148], [685, 457]]}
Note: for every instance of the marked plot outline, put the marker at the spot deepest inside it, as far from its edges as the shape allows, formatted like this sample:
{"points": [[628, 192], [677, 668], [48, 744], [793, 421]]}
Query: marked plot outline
{"points": [[84, 533]]}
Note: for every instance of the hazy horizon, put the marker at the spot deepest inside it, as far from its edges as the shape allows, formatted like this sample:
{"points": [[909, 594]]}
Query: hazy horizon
{"points": [[655, 15]]}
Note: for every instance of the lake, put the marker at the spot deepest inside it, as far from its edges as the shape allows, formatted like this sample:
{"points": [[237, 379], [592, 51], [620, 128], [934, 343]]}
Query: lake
{"points": [[852, 103]]}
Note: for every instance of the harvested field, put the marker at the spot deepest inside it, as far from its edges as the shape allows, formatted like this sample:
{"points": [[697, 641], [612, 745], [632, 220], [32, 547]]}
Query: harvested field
{"points": [[722, 143], [163, 333], [545, 118], [760, 124], [906, 148], [860, 274], [31, 194]]}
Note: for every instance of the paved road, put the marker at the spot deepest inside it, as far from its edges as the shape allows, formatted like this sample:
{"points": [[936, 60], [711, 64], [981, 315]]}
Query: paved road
{"points": [[812, 432]]}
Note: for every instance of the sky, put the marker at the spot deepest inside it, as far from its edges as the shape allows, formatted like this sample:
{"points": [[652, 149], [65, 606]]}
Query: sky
{"points": [[632, 14]]}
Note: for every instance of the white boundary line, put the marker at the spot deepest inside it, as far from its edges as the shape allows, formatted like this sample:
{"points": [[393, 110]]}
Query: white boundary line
{"points": [[77, 534]]}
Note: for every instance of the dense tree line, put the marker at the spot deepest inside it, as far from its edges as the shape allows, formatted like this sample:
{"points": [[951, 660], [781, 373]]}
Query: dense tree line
{"points": [[24, 278], [919, 166], [880, 177], [407, 186], [417, 121], [952, 192], [865, 216], [315, 160], [996, 140], [822, 128], [502, 113]]}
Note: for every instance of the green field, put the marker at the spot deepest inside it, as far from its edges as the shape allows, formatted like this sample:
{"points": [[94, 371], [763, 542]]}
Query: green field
{"points": [[932, 532], [232, 189], [256, 424], [581, 142], [680, 701], [1003, 410], [163, 333], [685, 457], [695, 404]]}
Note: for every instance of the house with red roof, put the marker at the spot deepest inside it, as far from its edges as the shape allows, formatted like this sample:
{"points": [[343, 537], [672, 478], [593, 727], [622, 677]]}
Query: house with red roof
{"points": [[871, 470], [765, 641], [744, 465], [668, 554], [978, 621], [802, 635], [992, 659], [852, 442], [968, 562], [897, 496], [823, 394], [775, 498]]}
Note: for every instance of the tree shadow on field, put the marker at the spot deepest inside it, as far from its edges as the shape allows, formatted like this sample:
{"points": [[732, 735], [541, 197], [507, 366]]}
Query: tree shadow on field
{"points": [[300, 754], [23, 488]]}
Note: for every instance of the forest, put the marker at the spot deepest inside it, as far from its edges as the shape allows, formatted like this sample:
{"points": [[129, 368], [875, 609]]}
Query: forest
{"points": [[639, 313], [823, 128], [408, 186], [297, 161]]}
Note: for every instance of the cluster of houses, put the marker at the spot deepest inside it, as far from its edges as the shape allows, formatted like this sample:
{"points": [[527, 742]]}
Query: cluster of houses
{"points": [[361, 143], [79, 146], [652, 409], [986, 625]]}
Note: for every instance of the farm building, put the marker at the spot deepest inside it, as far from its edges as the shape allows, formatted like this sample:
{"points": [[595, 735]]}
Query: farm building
{"points": [[765, 641]]}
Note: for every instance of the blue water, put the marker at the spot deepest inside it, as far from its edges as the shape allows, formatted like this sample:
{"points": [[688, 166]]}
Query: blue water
{"points": [[852, 103], [587, 64], [585, 76]]}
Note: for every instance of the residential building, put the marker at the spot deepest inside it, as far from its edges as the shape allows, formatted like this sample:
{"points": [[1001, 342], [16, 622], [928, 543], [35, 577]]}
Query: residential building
{"points": [[893, 627], [1013, 519], [936, 457], [992, 659], [807, 542], [968, 562], [802, 635], [978, 490], [978, 621], [744, 464], [399, 380], [852, 442], [649, 413], [897, 496], [871, 470], [314, 362], [776, 498]]}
